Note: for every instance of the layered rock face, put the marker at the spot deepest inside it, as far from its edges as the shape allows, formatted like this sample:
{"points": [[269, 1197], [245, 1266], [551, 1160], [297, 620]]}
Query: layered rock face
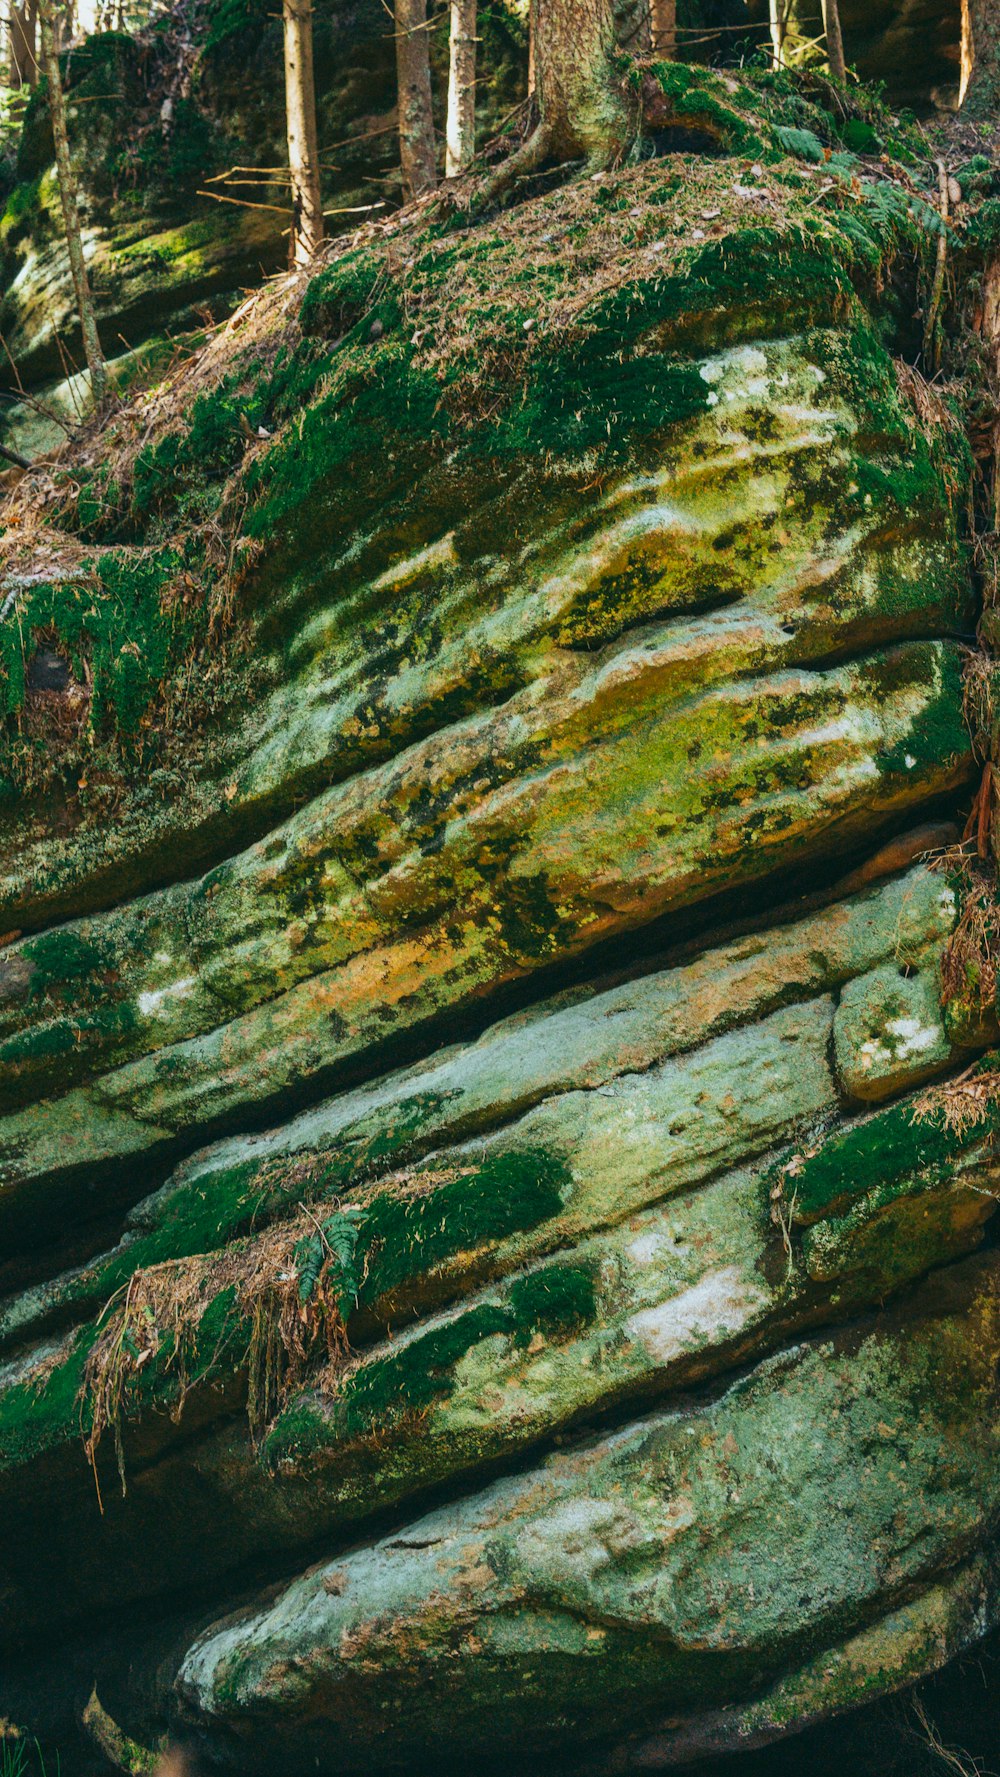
{"points": [[508, 1073]]}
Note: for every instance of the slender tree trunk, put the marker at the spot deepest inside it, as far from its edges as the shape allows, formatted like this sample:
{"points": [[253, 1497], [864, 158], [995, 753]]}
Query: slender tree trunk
{"points": [[665, 29], [300, 114], [416, 121], [23, 33], [776, 11], [980, 88], [532, 34], [834, 39], [68, 197], [460, 141]]}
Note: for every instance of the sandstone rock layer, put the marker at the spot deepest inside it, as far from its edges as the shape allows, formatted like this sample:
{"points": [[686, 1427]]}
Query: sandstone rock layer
{"points": [[508, 1073]]}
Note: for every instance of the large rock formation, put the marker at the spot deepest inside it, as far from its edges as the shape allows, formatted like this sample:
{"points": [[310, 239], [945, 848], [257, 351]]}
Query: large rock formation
{"points": [[495, 1169]]}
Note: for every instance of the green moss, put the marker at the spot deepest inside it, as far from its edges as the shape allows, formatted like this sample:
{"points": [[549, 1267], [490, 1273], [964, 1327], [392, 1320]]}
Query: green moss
{"points": [[115, 622], [873, 1154], [327, 461], [553, 1301], [34, 1418], [860, 136], [395, 1238], [21, 212], [361, 422], [696, 97], [939, 735], [206, 450], [556, 1301], [398, 1235], [337, 299]]}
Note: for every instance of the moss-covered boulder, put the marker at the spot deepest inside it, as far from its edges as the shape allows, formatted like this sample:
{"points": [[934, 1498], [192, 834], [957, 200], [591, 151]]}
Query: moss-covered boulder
{"points": [[493, 1015]]}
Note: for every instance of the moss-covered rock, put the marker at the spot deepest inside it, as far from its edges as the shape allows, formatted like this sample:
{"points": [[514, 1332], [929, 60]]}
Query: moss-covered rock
{"points": [[155, 119], [471, 973], [694, 1555]]}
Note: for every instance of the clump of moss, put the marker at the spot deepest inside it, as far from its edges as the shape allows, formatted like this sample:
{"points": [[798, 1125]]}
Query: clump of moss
{"points": [[205, 450], [342, 295], [274, 1303], [552, 1303], [875, 1152]]}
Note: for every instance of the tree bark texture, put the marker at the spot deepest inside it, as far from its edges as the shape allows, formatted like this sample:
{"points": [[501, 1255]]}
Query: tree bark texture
{"points": [[980, 88], [300, 114], [460, 135], [776, 15], [416, 121], [665, 29], [580, 101], [22, 37], [834, 39], [70, 208], [633, 26]]}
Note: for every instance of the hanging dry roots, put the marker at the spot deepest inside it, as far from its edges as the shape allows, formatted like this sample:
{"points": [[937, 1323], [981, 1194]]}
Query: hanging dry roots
{"points": [[972, 954], [962, 1104], [978, 670], [154, 1303], [294, 1318], [979, 822], [290, 1284]]}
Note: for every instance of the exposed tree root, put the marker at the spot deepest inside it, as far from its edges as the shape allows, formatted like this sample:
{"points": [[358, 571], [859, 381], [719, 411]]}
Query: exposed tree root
{"points": [[525, 160]]}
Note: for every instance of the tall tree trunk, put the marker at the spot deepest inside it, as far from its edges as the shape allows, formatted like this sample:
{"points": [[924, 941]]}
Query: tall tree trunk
{"points": [[834, 39], [416, 121], [300, 115], [633, 26], [23, 33], [980, 89], [460, 142], [70, 209], [776, 14], [665, 29], [580, 99]]}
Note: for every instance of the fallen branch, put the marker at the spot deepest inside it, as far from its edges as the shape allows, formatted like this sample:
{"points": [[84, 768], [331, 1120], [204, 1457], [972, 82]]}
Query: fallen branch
{"points": [[22, 400], [244, 202]]}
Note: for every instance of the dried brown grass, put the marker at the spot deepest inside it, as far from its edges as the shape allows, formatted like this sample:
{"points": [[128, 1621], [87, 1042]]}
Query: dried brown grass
{"points": [[972, 954], [962, 1104], [158, 1316], [978, 700]]}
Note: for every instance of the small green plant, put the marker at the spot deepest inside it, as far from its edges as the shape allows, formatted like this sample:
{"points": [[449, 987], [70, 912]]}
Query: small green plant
{"points": [[21, 1757]]}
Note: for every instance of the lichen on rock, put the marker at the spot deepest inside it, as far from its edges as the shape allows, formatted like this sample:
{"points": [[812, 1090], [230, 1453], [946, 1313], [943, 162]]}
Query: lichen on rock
{"points": [[489, 963]]}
